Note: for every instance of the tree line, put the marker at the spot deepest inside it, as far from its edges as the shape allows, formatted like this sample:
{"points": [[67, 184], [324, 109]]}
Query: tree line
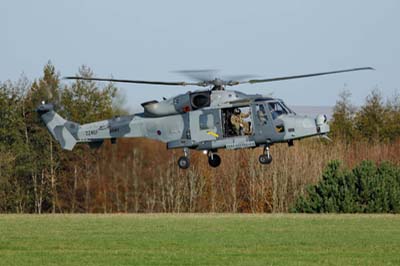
{"points": [[375, 121], [31, 162], [138, 175]]}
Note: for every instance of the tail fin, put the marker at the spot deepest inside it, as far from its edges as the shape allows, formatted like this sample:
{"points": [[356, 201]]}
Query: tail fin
{"points": [[62, 130]]}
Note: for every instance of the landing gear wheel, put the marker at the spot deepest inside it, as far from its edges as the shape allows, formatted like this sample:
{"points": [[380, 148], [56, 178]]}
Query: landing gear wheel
{"points": [[214, 160], [265, 159], [183, 162]]}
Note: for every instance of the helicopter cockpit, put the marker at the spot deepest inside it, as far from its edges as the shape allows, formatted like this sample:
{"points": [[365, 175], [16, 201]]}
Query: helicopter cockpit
{"points": [[239, 121]]}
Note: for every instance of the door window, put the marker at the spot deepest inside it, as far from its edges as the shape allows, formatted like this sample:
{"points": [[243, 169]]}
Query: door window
{"points": [[206, 121], [261, 114]]}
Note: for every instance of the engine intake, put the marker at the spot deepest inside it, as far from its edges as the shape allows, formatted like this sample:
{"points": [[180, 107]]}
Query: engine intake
{"points": [[200, 99]]}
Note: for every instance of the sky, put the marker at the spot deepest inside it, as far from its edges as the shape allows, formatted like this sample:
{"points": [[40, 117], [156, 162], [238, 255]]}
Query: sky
{"points": [[149, 40]]}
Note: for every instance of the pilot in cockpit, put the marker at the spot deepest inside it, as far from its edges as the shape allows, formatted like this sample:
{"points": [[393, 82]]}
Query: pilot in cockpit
{"points": [[276, 109]]}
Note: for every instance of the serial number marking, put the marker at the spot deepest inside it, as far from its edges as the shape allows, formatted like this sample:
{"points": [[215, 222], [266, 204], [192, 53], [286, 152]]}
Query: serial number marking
{"points": [[91, 133]]}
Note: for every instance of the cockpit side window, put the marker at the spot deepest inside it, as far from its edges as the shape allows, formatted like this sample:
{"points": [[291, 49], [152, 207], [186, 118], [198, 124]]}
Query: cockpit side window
{"points": [[276, 109]]}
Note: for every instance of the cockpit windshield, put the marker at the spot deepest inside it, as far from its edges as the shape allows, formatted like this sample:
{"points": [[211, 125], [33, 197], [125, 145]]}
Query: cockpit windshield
{"points": [[290, 111], [277, 109]]}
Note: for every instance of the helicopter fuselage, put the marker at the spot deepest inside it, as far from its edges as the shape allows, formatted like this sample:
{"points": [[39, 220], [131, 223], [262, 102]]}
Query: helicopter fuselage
{"points": [[181, 123], [205, 120]]}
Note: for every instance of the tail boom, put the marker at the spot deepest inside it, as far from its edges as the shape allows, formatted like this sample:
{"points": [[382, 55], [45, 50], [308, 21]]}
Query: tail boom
{"points": [[62, 130], [69, 133]]}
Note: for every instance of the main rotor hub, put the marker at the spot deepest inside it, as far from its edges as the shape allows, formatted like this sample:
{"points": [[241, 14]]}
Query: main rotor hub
{"points": [[218, 88]]}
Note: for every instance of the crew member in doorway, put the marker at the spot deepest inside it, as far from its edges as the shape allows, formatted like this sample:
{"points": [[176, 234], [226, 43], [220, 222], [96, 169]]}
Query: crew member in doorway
{"points": [[240, 126]]}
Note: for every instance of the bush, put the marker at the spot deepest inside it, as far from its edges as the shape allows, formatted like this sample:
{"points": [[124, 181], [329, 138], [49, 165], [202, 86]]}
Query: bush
{"points": [[368, 188]]}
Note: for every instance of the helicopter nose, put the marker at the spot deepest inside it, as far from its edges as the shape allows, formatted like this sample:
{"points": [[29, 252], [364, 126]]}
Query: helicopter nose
{"points": [[304, 126], [321, 119], [321, 122]]}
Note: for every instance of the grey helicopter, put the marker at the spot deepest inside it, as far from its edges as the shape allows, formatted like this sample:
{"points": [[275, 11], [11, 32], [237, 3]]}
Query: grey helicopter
{"points": [[205, 120]]}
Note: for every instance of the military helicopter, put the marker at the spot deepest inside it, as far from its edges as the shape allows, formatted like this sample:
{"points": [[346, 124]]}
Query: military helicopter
{"points": [[199, 120]]}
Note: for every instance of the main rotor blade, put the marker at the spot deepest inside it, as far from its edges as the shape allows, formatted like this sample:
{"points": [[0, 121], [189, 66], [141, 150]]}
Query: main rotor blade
{"points": [[180, 83], [252, 81]]}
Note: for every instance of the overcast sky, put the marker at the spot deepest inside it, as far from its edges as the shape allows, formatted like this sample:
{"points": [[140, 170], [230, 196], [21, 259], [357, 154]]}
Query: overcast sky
{"points": [[149, 39]]}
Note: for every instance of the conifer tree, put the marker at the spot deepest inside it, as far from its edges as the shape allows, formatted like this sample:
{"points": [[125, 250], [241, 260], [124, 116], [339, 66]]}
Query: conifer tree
{"points": [[342, 124]]}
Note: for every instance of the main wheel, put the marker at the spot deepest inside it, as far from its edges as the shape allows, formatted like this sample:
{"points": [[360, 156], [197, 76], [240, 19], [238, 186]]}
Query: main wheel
{"points": [[214, 160], [265, 159], [183, 162]]}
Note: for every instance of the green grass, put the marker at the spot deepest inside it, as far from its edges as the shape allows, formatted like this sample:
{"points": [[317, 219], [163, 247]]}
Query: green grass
{"points": [[199, 239]]}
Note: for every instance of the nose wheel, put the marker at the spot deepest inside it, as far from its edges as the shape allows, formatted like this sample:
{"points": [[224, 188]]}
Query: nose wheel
{"points": [[266, 157]]}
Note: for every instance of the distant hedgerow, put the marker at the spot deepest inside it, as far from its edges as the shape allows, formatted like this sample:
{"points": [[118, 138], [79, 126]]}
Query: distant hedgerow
{"points": [[367, 188]]}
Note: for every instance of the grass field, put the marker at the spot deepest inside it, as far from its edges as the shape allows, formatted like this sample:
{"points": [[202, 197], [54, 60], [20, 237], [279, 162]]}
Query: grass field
{"points": [[188, 239]]}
